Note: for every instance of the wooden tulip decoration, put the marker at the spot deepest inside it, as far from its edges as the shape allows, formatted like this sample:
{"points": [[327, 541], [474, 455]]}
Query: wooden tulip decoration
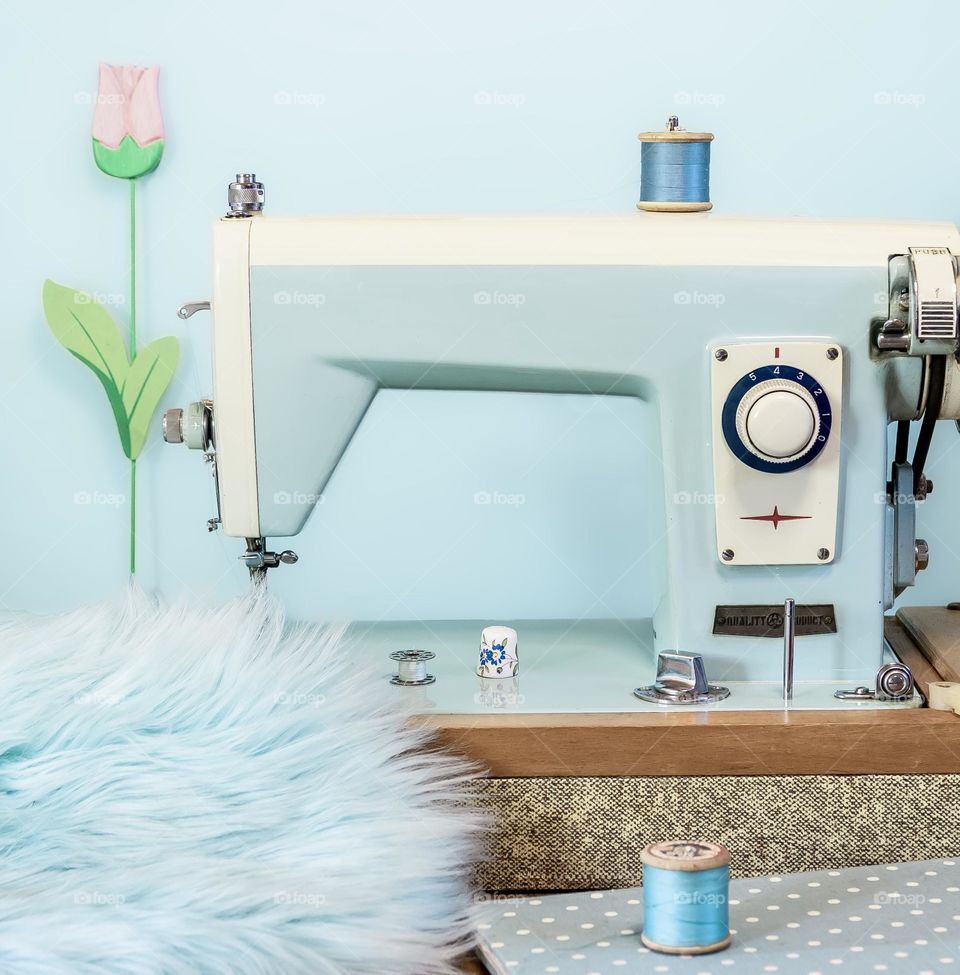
{"points": [[127, 144]]}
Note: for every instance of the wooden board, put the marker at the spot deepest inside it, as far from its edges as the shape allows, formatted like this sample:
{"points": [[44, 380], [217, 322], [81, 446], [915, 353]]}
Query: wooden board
{"points": [[851, 742], [936, 631]]}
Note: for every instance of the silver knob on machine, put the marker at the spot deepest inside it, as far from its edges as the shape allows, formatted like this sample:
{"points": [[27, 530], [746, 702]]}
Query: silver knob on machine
{"points": [[245, 196], [192, 426], [173, 426]]}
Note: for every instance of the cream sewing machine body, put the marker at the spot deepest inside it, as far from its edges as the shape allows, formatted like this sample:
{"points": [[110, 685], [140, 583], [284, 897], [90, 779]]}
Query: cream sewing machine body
{"points": [[773, 405]]}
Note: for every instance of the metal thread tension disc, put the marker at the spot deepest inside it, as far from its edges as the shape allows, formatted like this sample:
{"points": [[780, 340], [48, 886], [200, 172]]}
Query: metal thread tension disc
{"points": [[412, 668]]}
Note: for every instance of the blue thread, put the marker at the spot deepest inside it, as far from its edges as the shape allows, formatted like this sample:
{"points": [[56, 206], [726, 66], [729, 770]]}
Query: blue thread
{"points": [[685, 908], [675, 172]]}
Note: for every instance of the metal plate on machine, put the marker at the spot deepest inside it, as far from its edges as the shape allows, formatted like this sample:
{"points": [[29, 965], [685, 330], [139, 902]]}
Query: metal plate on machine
{"points": [[776, 451], [760, 619]]}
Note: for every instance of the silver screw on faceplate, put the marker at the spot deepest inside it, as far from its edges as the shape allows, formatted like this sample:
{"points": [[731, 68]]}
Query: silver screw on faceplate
{"points": [[721, 355], [727, 555], [823, 554], [832, 354]]}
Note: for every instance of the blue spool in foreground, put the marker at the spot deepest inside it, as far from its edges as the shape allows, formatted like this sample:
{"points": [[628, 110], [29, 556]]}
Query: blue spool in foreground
{"points": [[675, 169], [685, 897]]}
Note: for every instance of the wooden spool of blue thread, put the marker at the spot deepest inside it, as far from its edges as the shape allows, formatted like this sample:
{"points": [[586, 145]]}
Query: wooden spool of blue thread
{"points": [[675, 170], [685, 897]]}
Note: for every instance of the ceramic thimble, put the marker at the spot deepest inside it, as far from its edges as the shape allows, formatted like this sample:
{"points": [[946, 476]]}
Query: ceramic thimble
{"points": [[498, 652]]}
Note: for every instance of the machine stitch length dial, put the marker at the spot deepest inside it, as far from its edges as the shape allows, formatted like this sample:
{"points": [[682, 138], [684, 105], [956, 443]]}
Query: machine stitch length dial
{"points": [[776, 418]]}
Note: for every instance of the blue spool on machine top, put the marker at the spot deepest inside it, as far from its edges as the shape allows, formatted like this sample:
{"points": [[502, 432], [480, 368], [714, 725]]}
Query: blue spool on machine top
{"points": [[675, 169], [685, 902]]}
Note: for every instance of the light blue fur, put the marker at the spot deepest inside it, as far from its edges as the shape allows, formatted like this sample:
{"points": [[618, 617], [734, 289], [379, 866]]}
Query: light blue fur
{"points": [[213, 791]]}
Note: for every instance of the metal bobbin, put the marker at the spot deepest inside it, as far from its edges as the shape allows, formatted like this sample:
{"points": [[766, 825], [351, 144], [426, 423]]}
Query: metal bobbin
{"points": [[412, 668]]}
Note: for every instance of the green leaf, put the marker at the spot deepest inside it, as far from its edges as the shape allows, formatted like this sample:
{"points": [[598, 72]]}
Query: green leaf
{"points": [[146, 382], [128, 160], [85, 329]]}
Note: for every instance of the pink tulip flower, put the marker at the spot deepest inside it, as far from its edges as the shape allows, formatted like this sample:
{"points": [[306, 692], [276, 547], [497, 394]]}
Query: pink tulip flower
{"points": [[127, 124]]}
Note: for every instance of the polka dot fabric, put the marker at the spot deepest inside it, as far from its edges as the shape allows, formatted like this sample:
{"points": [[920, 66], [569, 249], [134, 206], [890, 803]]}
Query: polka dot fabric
{"points": [[899, 918]]}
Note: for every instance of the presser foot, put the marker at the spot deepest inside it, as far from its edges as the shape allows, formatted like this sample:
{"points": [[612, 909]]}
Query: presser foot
{"points": [[258, 560]]}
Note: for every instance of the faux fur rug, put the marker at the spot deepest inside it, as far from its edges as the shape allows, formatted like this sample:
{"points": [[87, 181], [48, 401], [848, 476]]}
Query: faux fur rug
{"points": [[212, 791]]}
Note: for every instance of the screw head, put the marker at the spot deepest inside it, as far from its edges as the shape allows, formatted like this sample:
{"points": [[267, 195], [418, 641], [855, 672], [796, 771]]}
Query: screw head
{"points": [[823, 554], [720, 355], [727, 555], [832, 354]]}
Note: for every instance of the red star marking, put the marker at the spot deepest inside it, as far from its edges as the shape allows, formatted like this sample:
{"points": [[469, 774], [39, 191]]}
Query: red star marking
{"points": [[775, 518]]}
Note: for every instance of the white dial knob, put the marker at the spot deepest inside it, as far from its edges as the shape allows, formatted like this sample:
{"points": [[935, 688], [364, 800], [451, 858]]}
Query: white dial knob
{"points": [[778, 420]]}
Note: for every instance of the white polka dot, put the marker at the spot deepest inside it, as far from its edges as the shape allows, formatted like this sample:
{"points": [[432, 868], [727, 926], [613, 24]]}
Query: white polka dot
{"points": [[930, 873], [609, 913], [547, 920], [572, 907], [496, 944], [792, 924], [854, 917], [770, 968], [628, 931], [874, 907], [946, 961], [813, 883], [596, 895], [892, 867], [775, 880], [634, 901], [901, 954], [813, 944], [916, 911], [522, 931], [773, 937], [939, 930], [483, 927], [751, 920], [578, 957], [773, 907], [920, 941], [563, 937], [537, 951], [857, 948], [836, 961], [873, 878], [835, 931], [750, 950], [833, 873], [853, 890], [792, 897], [833, 900], [603, 944], [813, 913], [535, 903], [754, 890], [877, 937], [792, 954], [936, 900], [619, 961], [512, 964], [879, 968], [732, 901], [509, 913], [586, 926], [896, 924]]}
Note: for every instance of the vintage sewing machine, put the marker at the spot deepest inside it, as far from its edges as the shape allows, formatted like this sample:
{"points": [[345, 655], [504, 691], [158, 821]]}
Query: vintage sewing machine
{"points": [[775, 406]]}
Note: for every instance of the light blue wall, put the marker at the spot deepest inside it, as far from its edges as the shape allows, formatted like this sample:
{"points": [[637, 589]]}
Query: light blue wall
{"points": [[819, 109]]}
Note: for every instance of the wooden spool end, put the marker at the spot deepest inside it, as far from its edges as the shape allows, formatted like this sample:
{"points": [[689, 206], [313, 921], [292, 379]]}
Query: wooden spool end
{"points": [[686, 855], [654, 207], [677, 135]]}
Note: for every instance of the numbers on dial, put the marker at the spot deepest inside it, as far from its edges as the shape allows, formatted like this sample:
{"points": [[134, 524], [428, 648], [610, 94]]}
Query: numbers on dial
{"points": [[781, 378]]}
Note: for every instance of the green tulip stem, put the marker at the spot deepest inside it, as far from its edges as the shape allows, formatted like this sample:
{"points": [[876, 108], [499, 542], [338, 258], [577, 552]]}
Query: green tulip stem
{"points": [[133, 355]]}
